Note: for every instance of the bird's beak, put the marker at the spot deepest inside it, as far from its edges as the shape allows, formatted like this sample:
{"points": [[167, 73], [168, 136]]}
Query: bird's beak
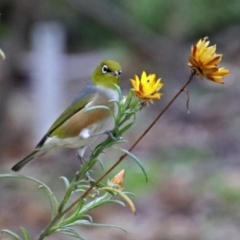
{"points": [[115, 73]]}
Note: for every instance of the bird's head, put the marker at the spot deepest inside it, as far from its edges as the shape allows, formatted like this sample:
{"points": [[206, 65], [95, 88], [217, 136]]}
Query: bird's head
{"points": [[107, 74]]}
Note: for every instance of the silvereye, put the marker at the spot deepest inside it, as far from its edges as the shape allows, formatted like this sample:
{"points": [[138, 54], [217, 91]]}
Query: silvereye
{"points": [[76, 127]]}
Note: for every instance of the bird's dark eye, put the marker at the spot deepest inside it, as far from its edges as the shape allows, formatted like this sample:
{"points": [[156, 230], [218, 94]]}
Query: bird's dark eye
{"points": [[119, 72], [104, 69]]}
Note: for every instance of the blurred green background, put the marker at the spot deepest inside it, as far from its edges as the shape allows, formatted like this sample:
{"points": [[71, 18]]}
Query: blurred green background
{"points": [[192, 160]]}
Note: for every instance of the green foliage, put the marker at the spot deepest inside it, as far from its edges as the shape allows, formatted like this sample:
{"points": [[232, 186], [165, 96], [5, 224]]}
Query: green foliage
{"points": [[154, 13], [227, 193], [185, 18]]}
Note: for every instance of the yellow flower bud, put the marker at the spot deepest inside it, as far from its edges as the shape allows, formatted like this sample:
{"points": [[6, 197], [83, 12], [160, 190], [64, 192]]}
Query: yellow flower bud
{"points": [[117, 181]]}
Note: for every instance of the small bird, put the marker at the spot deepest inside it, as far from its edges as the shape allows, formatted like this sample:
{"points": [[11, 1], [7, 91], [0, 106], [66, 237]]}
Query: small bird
{"points": [[76, 127]]}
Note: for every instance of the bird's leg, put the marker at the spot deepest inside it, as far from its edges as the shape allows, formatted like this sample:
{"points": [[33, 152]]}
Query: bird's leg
{"points": [[80, 154], [107, 132], [85, 133]]}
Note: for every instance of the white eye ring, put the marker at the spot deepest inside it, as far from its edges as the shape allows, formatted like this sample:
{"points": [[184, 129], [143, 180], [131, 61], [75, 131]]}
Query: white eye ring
{"points": [[104, 69]]}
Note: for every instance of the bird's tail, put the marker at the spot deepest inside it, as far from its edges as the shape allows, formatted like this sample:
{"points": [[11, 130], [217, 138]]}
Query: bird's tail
{"points": [[26, 160]]}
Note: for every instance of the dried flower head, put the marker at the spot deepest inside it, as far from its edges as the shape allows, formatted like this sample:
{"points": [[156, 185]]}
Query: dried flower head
{"points": [[147, 87], [117, 181], [204, 60]]}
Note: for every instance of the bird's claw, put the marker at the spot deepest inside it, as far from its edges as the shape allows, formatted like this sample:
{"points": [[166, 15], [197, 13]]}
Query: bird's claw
{"points": [[89, 178], [108, 133], [111, 135]]}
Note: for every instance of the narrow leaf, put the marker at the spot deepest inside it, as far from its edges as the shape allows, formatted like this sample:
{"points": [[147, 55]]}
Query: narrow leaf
{"points": [[100, 163], [91, 205], [69, 232], [86, 167], [104, 225], [123, 195], [128, 101], [25, 233], [66, 182], [79, 207], [75, 222], [134, 104], [136, 160], [119, 91], [128, 200], [52, 198], [12, 234], [124, 129], [101, 107]]}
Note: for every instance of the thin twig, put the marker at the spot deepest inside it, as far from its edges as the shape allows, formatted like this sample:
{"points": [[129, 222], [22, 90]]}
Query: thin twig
{"points": [[188, 99]]}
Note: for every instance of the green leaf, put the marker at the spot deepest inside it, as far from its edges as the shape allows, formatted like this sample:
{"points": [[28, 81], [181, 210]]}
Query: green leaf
{"points": [[104, 225], [12, 234], [105, 144], [66, 182], [78, 222], [88, 217], [119, 106], [53, 201], [101, 107], [79, 207], [134, 104], [79, 217], [136, 160], [69, 232], [114, 143], [86, 167], [99, 203], [127, 102], [100, 163], [25, 233], [127, 117], [124, 129], [130, 194], [119, 91], [52, 198]]}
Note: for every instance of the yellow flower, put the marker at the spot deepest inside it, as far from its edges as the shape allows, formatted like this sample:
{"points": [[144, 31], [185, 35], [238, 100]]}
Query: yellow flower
{"points": [[204, 60], [117, 181], [147, 87]]}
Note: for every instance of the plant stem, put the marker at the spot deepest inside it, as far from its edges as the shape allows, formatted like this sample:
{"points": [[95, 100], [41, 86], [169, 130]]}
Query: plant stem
{"points": [[60, 214]]}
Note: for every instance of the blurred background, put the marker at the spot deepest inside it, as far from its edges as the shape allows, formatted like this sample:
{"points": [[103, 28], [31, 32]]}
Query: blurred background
{"points": [[192, 160]]}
